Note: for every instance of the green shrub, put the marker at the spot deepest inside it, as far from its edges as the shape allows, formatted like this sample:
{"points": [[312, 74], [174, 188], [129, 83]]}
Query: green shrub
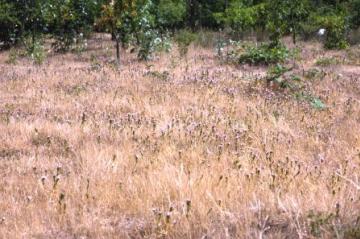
{"points": [[37, 53], [352, 232], [313, 74], [69, 22], [355, 14], [353, 56], [171, 13], [9, 25], [241, 17], [318, 221], [316, 103], [264, 54], [80, 43], [336, 27], [326, 61], [309, 30], [284, 17], [206, 39], [13, 56], [146, 34], [184, 38], [277, 73], [354, 37]]}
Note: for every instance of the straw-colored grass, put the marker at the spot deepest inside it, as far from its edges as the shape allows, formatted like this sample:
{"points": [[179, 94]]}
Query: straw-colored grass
{"points": [[174, 151]]}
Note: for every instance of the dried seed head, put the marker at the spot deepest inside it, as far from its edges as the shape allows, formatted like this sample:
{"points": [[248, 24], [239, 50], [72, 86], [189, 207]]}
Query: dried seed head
{"points": [[43, 178], [188, 204], [61, 197], [167, 218]]}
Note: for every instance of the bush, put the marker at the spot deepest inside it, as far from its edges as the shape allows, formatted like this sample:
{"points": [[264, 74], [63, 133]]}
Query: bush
{"points": [[309, 30], [184, 38], [206, 39], [69, 22], [14, 54], [35, 50], [9, 25], [148, 37], [146, 34], [241, 18], [171, 13], [355, 14], [276, 74], [336, 27], [354, 37], [264, 54], [284, 17], [326, 61]]}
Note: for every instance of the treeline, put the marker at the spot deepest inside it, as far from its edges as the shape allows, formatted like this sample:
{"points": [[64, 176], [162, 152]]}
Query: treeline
{"points": [[144, 22]]}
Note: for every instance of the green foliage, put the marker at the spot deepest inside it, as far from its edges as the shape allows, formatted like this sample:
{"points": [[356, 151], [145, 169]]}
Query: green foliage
{"points": [[326, 61], [9, 25], [285, 16], [316, 103], [336, 27], [318, 221], [276, 74], [278, 70], [19, 19], [352, 232], [14, 54], [120, 18], [35, 50], [200, 13], [171, 13], [355, 14], [313, 74], [353, 56], [241, 18], [146, 34], [206, 39], [264, 54], [281, 77], [69, 21], [163, 76], [184, 38]]}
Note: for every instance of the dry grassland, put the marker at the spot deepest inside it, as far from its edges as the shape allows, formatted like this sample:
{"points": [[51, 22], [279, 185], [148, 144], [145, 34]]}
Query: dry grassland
{"points": [[169, 150]]}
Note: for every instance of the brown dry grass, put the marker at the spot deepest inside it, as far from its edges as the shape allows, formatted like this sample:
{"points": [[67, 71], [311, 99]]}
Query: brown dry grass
{"points": [[87, 151]]}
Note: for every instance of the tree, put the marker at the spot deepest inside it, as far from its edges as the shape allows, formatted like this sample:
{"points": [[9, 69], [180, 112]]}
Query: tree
{"points": [[145, 31], [285, 16], [118, 18], [67, 20], [355, 13], [241, 17], [297, 13], [9, 25], [336, 27], [171, 13], [31, 13]]}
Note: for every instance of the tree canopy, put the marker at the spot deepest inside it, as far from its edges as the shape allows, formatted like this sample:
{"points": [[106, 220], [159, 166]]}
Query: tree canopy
{"points": [[129, 20]]}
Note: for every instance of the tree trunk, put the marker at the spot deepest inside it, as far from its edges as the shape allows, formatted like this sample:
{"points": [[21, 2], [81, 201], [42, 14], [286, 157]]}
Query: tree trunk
{"points": [[118, 51], [33, 41], [294, 37]]}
